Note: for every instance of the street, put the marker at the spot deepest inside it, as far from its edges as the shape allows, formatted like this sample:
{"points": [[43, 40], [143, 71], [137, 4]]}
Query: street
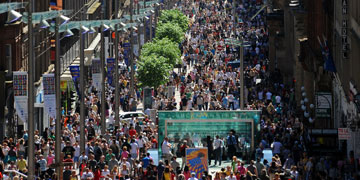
{"points": [[179, 90]]}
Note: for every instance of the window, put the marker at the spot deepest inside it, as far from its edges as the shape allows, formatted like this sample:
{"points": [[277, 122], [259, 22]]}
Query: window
{"points": [[8, 58]]}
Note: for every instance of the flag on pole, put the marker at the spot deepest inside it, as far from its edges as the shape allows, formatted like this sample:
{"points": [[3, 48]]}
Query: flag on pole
{"points": [[329, 64]]}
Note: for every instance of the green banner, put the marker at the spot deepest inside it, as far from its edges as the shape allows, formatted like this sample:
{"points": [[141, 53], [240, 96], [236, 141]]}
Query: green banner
{"points": [[195, 126]]}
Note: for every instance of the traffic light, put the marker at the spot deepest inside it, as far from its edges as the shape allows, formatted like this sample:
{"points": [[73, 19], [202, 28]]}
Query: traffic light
{"points": [[73, 100]]}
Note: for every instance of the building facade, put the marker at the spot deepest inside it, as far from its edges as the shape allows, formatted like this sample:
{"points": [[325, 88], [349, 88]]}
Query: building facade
{"points": [[322, 55], [346, 81]]}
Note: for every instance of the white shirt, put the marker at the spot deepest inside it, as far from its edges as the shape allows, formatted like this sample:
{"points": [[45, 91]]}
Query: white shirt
{"points": [[231, 98], [278, 99], [77, 151], [140, 142], [165, 147], [87, 175], [134, 148], [105, 173], [231, 178], [218, 143], [193, 178]]}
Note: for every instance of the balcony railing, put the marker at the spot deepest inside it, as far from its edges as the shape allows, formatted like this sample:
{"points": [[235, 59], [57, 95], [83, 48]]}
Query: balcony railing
{"points": [[69, 56]]}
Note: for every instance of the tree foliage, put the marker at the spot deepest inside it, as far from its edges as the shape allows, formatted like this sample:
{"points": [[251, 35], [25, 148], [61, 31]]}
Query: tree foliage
{"points": [[170, 31], [162, 48], [174, 16], [153, 71]]}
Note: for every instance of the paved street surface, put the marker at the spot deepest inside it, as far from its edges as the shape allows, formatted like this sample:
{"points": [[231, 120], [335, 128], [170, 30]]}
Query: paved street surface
{"points": [[225, 49]]}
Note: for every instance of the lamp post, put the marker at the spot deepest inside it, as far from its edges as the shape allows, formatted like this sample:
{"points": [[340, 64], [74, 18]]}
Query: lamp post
{"points": [[58, 99], [12, 17], [157, 14], [102, 59], [144, 27], [138, 29], [242, 44], [34, 18], [151, 19], [131, 52], [116, 46], [82, 89], [242, 78], [31, 73]]}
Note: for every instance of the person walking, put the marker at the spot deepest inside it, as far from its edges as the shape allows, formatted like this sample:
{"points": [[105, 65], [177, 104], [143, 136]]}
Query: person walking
{"points": [[210, 148], [165, 147], [218, 146], [183, 153], [231, 144]]}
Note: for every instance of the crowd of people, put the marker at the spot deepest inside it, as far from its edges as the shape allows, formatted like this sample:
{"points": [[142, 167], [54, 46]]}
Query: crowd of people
{"points": [[208, 80]]}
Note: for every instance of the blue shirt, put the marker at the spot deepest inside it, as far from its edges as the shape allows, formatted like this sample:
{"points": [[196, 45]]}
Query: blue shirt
{"points": [[42, 163], [231, 140], [146, 162]]}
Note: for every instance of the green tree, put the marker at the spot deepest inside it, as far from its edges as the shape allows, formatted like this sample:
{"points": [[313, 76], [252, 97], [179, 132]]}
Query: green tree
{"points": [[174, 16], [170, 31], [153, 71], [162, 47]]}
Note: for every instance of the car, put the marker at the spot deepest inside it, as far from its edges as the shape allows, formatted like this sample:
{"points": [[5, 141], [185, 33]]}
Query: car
{"points": [[125, 117]]}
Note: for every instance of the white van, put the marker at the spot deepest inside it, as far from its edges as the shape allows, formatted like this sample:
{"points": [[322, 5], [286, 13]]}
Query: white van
{"points": [[125, 117]]}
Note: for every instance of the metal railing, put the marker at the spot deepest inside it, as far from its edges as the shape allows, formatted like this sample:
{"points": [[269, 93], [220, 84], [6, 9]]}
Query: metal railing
{"points": [[16, 172], [69, 56]]}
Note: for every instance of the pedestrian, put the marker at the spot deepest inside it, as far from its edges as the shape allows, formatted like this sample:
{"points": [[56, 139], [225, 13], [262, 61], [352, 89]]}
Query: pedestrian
{"points": [[165, 147], [218, 146], [183, 153], [193, 176], [231, 145]]}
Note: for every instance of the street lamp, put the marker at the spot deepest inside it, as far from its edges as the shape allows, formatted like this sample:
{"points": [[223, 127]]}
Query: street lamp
{"points": [[13, 16], [10, 8], [68, 33], [84, 29], [63, 20], [60, 20], [92, 30], [44, 24], [40, 18], [242, 44], [105, 27]]}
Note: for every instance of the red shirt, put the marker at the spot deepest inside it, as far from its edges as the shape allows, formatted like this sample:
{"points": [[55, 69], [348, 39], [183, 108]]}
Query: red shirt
{"points": [[132, 132], [97, 175], [68, 161]]}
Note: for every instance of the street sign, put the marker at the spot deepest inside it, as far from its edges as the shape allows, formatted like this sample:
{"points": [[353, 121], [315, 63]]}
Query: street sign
{"points": [[323, 104], [344, 133]]}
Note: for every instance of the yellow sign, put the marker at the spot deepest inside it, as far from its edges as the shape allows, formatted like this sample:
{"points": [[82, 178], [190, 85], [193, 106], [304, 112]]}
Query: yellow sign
{"points": [[63, 85]]}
